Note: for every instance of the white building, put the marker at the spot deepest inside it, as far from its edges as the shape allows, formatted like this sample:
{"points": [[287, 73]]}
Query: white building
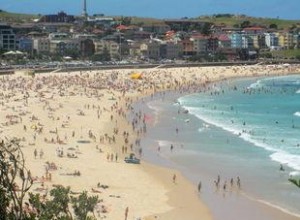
{"points": [[41, 45], [271, 40]]}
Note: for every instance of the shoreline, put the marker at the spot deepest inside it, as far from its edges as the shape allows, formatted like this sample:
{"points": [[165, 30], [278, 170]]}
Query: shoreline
{"points": [[162, 203], [247, 205]]}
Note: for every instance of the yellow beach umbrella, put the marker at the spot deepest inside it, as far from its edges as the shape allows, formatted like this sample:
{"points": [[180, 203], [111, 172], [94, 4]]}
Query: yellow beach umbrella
{"points": [[136, 76]]}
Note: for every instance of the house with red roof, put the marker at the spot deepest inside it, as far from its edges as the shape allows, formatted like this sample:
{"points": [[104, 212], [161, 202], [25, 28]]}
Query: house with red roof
{"points": [[224, 41], [121, 28], [254, 30]]}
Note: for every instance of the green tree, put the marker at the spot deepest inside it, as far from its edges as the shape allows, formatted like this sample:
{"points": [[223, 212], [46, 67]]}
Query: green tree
{"points": [[57, 208], [83, 204], [206, 29], [245, 24], [273, 26], [15, 180], [125, 21]]}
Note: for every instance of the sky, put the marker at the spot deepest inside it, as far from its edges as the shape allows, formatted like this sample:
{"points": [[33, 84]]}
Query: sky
{"points": [[284, 9]]}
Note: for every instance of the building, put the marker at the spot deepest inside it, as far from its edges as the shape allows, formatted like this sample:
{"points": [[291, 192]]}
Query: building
{"points": [[104, 22], [285, 40], [200, 44], [212, 44], [111, 46], [25, 44], [7, 38], [254, 30], [58, 36], [141, 35], [183, 24], [41, 45], [187, 47], [236, 40], [150, 50], [224, 41], [87, 47], [296, 40], [156, 28], [84, 36], [60, 17], [65, 47], [255, 41], [247, 41], [170, 50], [271, 40]]}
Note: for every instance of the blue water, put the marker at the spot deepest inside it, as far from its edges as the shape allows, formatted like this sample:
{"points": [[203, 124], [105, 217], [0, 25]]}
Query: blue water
{"points": [[242, 127], [263, 112]]}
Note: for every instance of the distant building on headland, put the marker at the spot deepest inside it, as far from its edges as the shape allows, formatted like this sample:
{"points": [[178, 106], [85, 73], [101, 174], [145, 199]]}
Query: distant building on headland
{"points": [[60, 17]]}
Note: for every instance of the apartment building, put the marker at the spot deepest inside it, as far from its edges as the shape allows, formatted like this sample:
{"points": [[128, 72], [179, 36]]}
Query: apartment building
{"points": [[64, 46], [285, 40], [271, 40], [41, 45], [200, 43], [111, 46], [150, 50], [7, 38]]}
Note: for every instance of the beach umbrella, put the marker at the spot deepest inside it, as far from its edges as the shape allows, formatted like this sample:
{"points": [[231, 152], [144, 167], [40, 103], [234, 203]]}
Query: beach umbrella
{"points": [[136, 76], [19, 52], [10, 53], [67, 58]]}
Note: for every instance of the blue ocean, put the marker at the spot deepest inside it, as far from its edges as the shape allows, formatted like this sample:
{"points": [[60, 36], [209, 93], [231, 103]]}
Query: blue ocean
{"points": [[245, 128]]}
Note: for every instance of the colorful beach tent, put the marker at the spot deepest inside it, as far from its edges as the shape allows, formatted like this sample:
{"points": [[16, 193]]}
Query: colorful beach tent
{"points": [[136, 76]]}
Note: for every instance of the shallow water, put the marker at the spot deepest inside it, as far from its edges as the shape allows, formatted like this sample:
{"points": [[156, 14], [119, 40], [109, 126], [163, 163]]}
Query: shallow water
{"points": [[244, 128]]}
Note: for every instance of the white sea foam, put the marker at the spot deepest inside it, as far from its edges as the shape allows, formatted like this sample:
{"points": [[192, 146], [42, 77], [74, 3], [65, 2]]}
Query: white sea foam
{"points": [[298, 91], [257, 84], [290, 160], [297, 114], [278, 155]]}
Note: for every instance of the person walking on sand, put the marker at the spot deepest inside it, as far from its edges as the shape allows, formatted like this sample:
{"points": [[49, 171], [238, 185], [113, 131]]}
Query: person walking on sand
{"points": [[174, 178], [35, 153], [126, 213], [199, 186]]}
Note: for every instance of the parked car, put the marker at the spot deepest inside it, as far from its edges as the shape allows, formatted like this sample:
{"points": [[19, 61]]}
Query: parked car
{"points": [[132, 159]]}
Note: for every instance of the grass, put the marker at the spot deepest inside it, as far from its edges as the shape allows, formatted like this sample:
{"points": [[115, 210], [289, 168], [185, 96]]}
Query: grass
{"points": [[286, 53], [16, 17], [142, 20], [227, 20], [237, 20]]}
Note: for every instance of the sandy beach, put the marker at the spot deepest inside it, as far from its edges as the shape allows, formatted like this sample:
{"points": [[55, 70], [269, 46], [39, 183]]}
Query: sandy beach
{"points": [[75, 132]]}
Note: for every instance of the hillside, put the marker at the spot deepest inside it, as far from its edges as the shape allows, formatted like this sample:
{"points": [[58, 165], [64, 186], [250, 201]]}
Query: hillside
{"points": [[218, 19], [16, 17], [232, 20]]}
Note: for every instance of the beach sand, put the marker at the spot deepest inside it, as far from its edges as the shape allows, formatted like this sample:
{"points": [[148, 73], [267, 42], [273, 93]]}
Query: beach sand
{"points": [[77, 123]]}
